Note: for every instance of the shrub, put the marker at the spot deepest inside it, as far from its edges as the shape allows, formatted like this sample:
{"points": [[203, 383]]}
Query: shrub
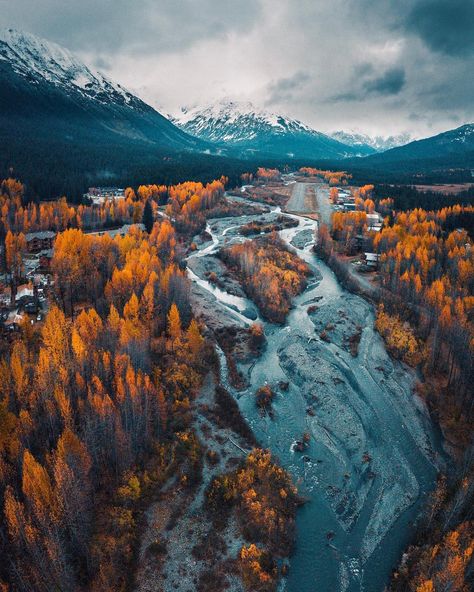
{"points": [[264, 397]]}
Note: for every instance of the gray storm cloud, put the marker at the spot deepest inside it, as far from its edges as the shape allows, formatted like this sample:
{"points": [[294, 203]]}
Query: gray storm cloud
{"points": [[112, 26], [390, 82], [284, 89], [445, 26], [375, 65]]}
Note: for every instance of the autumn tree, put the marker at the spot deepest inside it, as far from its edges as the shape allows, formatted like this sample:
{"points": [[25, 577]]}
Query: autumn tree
{"points": [[71, 465], [174, 324], [194, 340]]}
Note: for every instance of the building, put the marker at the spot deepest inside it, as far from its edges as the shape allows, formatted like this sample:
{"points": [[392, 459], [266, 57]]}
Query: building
{"points": [[31, 265], [39, 241], [24, 291], [45, 258], [374, 222], [372, 260], [122, 231], [13, 321], [349, 206], [99, 194], [345, 197]]}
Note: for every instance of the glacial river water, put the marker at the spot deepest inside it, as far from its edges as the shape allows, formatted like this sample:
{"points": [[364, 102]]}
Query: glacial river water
{"points": [[373, 453]]}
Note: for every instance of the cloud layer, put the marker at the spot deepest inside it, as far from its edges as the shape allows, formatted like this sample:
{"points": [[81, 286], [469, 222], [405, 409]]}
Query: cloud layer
{"points": [[375, 65]]}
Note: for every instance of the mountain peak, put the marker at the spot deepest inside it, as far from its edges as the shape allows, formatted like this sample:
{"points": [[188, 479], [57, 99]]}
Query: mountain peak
{"points": [[250, 129], [40, 60], [232, 111], [378, 143], [237, 122], [54, 93]]}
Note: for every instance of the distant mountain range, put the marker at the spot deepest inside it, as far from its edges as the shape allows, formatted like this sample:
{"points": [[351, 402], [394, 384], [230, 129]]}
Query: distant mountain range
{"points": [[249, 131], [371, 144], [454, 143]]}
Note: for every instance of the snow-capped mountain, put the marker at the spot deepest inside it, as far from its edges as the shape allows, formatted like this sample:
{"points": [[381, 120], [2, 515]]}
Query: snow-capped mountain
{"points": [[41, 80], [371, 143], [38, 60], [244, 127], [236, 121]]}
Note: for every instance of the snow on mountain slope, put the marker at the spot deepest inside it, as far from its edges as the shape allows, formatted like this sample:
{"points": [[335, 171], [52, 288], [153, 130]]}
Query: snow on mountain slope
{"points": [[376, 143], [463, 134], [249, 128], [48, 89], [236, 121], [40, 60]]}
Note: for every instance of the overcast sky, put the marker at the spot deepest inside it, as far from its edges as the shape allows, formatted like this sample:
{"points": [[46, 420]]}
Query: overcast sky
{"points": [[380, 66]]}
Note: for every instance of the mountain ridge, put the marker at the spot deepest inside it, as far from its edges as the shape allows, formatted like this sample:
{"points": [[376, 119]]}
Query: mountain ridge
{"points": [[457, 142], [64, 126], [41, 77], [241, 126], [377, 143]]}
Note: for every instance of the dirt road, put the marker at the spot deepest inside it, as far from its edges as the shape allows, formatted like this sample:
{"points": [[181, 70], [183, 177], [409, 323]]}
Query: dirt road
{"points": [[322, 203]]}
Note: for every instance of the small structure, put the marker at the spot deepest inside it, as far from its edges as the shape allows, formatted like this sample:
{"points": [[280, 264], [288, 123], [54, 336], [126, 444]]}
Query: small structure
{"points": [[113, 232], [31, 307], [39, 241], [372, 260], [99, 194], [13, 321], [374, 222], [24, 290], [45, 258], [344, 197]]}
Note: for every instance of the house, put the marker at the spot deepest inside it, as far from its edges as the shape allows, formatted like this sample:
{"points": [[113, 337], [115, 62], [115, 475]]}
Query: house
{"points": [[24, 290], [345, 197], [38, 241], [45, 258], [13, 321], [374, 222], [30, 265], [99, 194], [372, 260], [119, 231]]}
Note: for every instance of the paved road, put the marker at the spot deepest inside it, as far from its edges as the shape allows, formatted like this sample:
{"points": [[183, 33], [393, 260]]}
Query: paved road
{"points": [[296, 203]]}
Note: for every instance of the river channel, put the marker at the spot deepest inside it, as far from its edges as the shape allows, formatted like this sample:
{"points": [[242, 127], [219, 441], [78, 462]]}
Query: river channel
{"points": [[373, 455]]}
